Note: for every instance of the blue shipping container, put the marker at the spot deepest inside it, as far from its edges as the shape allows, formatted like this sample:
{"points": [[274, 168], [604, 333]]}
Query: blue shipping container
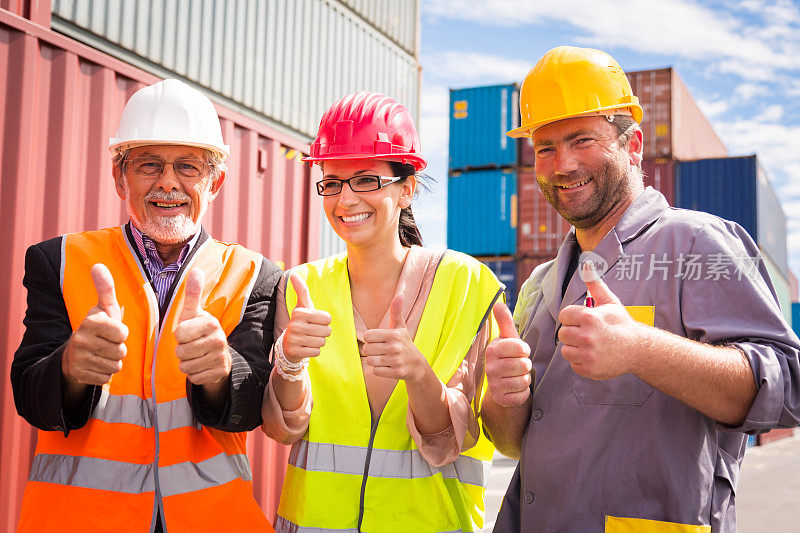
{"points": [[479, 120], [482, 212], [796, 318], [736, 188], [506, 271]]}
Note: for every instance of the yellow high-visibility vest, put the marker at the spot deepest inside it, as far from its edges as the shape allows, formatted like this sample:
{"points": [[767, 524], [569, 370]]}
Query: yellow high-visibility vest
{"points": [[350, 473]]}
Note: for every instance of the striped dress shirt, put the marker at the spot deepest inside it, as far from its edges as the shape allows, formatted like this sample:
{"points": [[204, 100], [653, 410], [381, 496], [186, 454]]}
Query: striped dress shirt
{"points": [[160, 275]]}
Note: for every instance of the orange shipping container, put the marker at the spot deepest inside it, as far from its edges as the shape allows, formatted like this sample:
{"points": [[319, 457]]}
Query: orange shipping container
{"points": [[60, 101], [526, 264], [673, 125]]}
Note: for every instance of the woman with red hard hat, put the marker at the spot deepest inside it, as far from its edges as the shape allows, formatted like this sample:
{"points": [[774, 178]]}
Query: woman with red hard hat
{"points": [[388, 340]]}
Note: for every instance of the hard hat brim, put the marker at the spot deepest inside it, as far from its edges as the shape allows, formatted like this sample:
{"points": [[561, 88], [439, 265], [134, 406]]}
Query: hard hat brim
{"points": [[115, 145], [528, 129], [418, 162]]}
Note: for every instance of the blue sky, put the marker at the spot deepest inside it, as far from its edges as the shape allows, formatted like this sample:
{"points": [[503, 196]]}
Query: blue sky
{"points": [[740, 60]]}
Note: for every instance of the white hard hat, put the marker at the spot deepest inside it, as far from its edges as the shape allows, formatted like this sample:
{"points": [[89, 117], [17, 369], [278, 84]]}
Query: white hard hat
{"points": [[169, 112]]}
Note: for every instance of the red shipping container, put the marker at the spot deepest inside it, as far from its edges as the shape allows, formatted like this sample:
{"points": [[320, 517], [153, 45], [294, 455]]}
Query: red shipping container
{"points": [[526, 264], [660, 174], [540, 229], [774, 435], [673, 125], [60, 101]]}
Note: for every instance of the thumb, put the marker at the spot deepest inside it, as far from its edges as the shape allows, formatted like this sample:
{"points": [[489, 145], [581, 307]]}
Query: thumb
{"points": [[597, 287], [301, 288], [106, 295], [396, 312], [504, 320], [192, 306]]}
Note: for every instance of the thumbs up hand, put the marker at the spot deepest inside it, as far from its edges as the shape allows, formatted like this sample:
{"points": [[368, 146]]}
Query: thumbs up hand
{"points": [[600, 341], [508, 363], [308, 327], [96, 349], [202, 346], [391, 352]]}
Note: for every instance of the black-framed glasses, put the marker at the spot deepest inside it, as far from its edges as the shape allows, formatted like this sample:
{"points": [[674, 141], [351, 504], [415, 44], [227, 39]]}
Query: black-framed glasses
{"points": [[150, 166], [360, 183]]}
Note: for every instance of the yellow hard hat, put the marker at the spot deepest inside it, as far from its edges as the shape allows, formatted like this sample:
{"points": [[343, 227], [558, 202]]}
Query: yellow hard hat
{"points": [[570, 82]]}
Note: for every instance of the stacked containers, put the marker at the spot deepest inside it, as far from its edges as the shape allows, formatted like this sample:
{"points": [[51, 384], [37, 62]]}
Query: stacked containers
{"points": [[482, 177]]}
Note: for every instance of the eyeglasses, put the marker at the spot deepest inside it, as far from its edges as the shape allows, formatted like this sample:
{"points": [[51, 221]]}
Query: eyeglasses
{"points": [[154, 166], [360, 183]]}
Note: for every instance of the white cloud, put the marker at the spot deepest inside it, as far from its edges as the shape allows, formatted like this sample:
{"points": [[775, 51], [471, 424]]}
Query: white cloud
{"points": [[470, 68], [773, 113], [747, 91], [752, 47], [713, 108]]}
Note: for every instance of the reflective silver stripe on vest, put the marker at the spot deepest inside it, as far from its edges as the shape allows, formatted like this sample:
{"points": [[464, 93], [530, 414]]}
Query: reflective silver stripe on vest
{"points": [[92, 473], [130, 478], [405, 464], [283, 525], [217, 470], [131, 409]]}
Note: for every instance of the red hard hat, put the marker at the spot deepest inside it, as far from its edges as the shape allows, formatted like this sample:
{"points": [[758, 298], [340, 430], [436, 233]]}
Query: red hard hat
{"points": [[367, 125]]}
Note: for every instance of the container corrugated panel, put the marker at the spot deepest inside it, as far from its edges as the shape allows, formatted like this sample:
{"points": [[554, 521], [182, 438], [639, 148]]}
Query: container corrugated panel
{"points": [[796, 318], [397, 19], [725, 187], [482, 212], [774, 435], [736, 189], [60, 101], [771, 222], [527, 157], [479, 120], [37, 11], [505, 268], [660, 174], [673, 125], [329, 242], [283, 60], [541, 230], [782, 288], [526, 264]]}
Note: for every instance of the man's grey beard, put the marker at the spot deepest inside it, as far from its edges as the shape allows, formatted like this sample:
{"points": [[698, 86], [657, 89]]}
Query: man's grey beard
{"points": [[167, 230]]}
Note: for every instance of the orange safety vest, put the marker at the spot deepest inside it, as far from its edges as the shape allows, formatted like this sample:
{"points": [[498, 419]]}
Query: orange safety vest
{"points": [[142, 450]]}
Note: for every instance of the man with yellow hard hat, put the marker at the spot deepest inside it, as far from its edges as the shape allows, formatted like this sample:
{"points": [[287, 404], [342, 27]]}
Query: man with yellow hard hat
{"points": [[628, 395]]}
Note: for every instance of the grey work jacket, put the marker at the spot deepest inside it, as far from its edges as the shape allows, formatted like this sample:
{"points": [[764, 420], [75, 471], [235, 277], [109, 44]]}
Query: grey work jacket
{"points": [[620, 448]]}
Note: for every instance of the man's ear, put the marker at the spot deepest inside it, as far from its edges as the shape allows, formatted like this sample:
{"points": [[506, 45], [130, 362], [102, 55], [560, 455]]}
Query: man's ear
{"points": [[119, 182], [217, 185], [635, 145]]}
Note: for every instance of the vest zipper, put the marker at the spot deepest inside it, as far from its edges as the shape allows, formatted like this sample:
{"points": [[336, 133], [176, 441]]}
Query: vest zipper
{"points": [[372, 430]]}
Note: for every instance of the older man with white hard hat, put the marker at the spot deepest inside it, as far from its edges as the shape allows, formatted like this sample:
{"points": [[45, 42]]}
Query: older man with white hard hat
{"points": [[144, 358], [629, 394]]}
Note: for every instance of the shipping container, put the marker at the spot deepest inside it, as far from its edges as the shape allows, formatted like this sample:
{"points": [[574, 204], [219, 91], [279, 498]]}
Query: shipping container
{"points": [[774, 435], [482, 212], [796, 318], [674, 127], [505, 268], [752, 441], [540, 230], [526, 264], [737, 189], [284, 61], [396, 19], [479, 120], [782, 288], [660, 174], [60, 101]]}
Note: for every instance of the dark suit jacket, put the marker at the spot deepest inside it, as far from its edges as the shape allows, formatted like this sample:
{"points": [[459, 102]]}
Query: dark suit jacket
{"points": [[36, 369]]}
